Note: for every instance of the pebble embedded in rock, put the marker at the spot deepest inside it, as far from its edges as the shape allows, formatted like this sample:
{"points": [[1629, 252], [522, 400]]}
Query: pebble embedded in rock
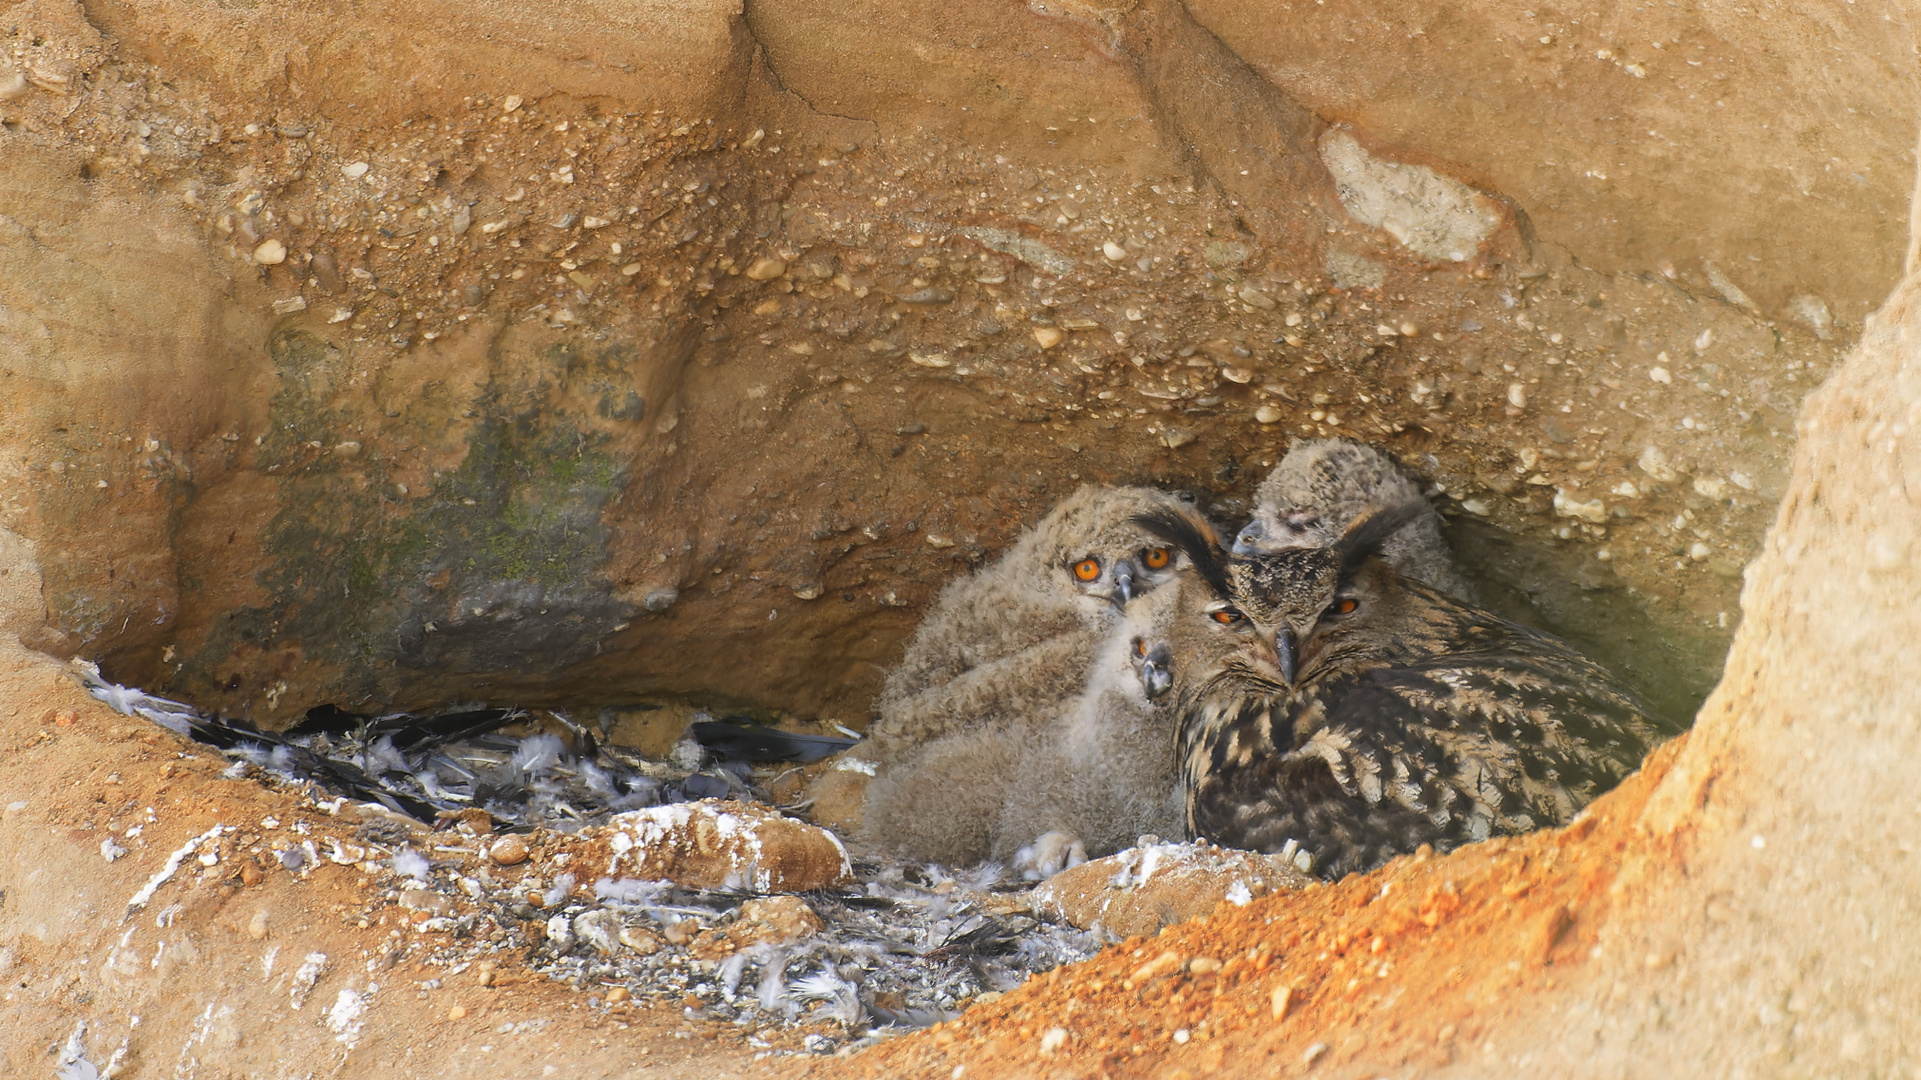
{"points": [[1656, 464], [257, 926], [1268, 414], [1567, 505], [1517, 395], [1661, 375], [1047, 336], [766, 268], [355, 171], [1113, 251], [508, 851], [270, 252]]}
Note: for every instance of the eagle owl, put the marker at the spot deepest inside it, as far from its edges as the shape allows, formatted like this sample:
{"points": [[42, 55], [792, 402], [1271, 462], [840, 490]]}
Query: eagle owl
{"points": [[1003, 654], [1101, 774], [1322, 484], [1326, 699]]}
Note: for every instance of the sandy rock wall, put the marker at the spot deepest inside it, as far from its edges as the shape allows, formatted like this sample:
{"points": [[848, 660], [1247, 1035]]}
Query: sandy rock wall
{"points": [[581, 355]]}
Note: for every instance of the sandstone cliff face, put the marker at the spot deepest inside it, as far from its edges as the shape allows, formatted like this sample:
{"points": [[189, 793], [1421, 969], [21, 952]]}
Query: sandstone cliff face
{"points": [[688, 349]]}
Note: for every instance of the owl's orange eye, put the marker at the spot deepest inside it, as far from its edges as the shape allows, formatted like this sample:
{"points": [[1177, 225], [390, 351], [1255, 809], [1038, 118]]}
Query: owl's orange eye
{"points": [[1087, 569], [1154, 558], [1226, 616], [1347, 606]]}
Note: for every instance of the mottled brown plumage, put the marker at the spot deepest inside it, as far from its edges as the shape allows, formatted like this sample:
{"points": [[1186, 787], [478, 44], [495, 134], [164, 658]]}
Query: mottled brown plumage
{"points": [[1327, 700]]}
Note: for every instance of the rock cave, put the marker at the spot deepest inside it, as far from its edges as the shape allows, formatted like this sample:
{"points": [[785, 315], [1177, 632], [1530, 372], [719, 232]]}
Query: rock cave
{"points": [[643, 361]]}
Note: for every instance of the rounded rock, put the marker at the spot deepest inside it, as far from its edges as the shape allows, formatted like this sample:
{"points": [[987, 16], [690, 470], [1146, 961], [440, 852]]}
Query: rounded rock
{"points": [[721, 844], [766, 268], [270, 252], [508, 851], [1047, 336]]}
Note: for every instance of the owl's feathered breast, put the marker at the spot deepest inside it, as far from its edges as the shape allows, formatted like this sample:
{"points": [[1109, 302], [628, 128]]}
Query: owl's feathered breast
{"points": [[1503, 732]]}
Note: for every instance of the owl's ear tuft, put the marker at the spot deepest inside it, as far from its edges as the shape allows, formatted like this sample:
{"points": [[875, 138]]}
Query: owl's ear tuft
{"points": [[1194, 535], [1364, 535]]}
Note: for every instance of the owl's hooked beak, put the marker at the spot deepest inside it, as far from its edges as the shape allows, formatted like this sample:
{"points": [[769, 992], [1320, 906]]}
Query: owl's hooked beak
{"points": [[1287, 648], [1123, 584]]}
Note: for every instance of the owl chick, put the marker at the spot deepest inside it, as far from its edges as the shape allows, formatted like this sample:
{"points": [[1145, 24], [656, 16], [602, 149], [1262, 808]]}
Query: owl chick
{"points": [[1003, 653], [1323, 484], [1102, 774], [1329, 700]]}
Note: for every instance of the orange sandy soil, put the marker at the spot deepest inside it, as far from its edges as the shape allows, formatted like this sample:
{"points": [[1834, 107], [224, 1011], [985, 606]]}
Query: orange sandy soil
{"points": [[1396, 970]]}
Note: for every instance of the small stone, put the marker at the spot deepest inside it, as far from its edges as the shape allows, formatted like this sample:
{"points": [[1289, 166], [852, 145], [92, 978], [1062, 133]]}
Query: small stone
{"points": [[630, 270], [928, 296], [347, 449], [1053, 1039], [929, 359], [1656, 464], [459, 1012], [618, 994], [1047, 336], [720, 844], [292, 305], [1113, 251], [1237, 375], [1268, 414], [1181, 1035], [1627, 490], [1278, 1001], [1204, 965], [1741, 480], [1409, 329], [766, 268], [251, 873], [512, 103], [355, 171], [1176, 437], [1711, 486], [935, 540], [1661, 375], [1566, 505], [1698, 551], [1255, 298], [508, 851], [775, 920], [809, 591], [1477, 507], [1295, 318], [591, 222], [560, 933], [270, 252], [110, 850], [660, 600], [1517, 395], [257, 926]]}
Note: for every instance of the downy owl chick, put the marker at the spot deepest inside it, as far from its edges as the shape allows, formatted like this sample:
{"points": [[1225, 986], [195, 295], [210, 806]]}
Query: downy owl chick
{"points": [[1102, 774], [1327, 700], [1322, 484], [1000, 656]]}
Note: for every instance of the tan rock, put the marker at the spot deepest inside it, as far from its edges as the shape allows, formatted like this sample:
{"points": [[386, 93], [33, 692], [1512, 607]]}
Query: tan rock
{"points": [[714, 844], [508, 851], [1141, 890]]}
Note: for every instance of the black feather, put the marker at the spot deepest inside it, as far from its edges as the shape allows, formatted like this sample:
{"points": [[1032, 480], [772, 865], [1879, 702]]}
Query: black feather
{"points": [[738, 741], [1194, 535], [1366, 533]]}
